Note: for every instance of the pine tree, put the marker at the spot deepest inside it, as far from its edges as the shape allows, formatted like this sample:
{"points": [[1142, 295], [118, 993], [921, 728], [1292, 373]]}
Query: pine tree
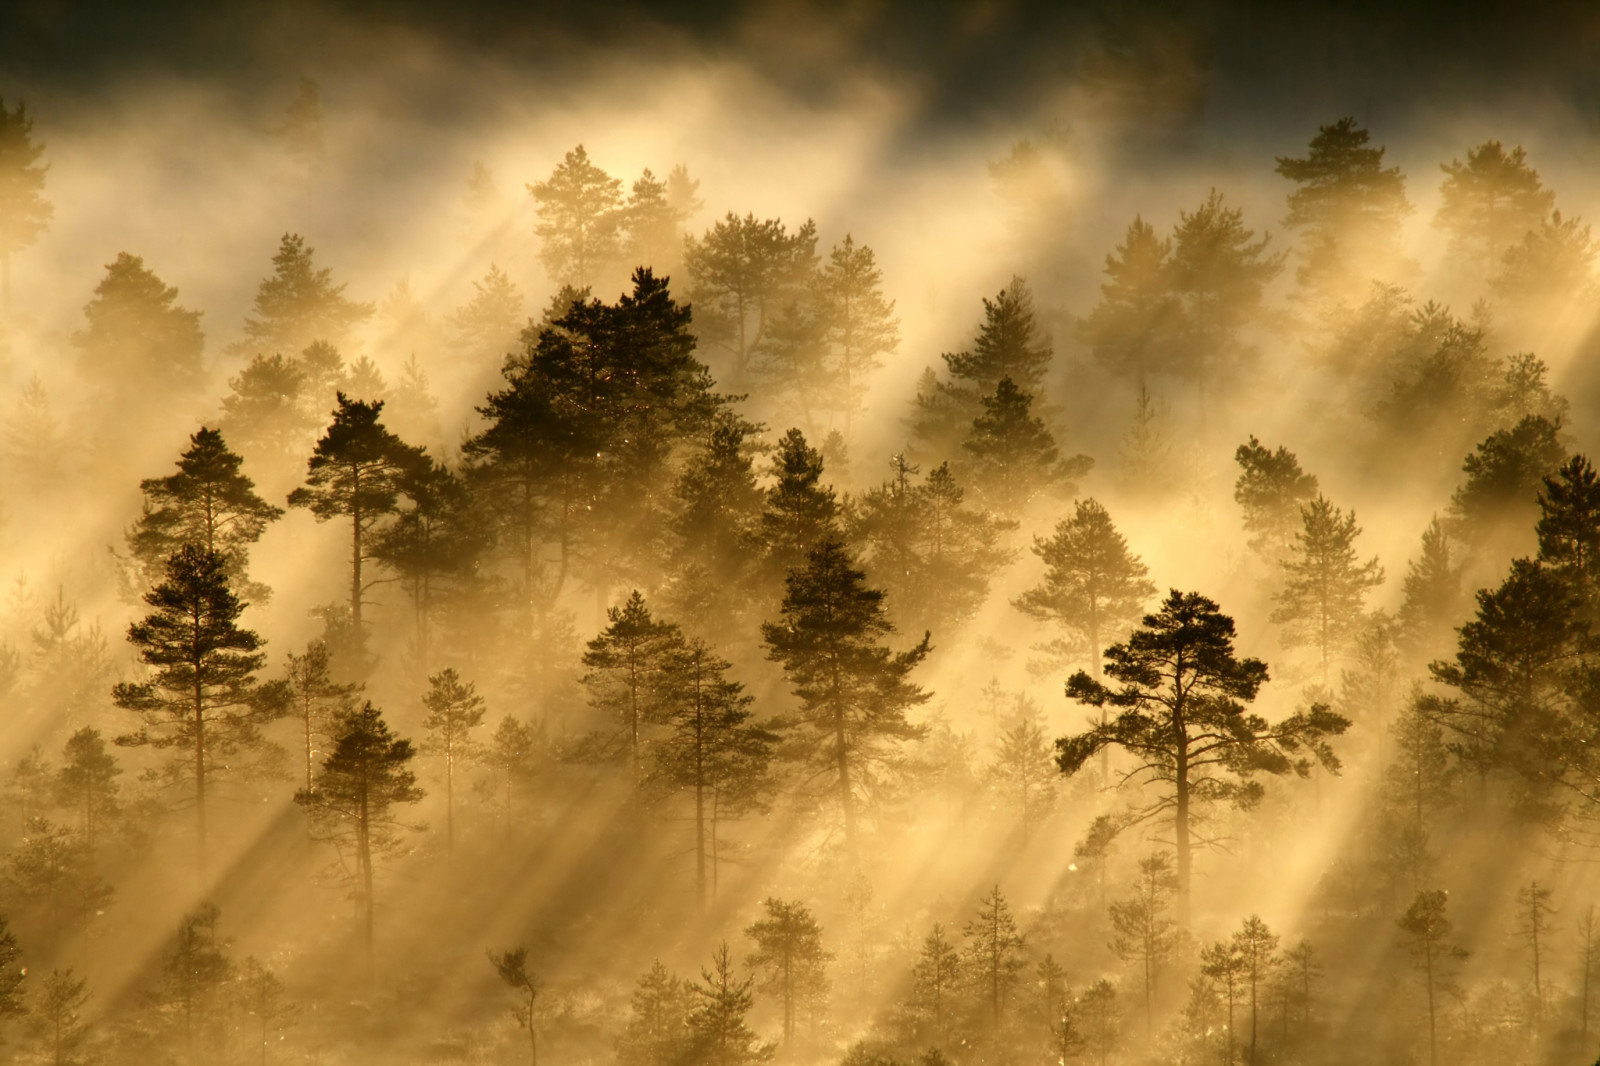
{"points": [[1024, 767], [301, 128], [1097, 1007], [626, 664], [138, 336], [1347, 205], [264, 411], [263, 997], [789, 950], [1569, 526], [711, 748], [1323, 597], [209, 502], [858, 324], [1092, 584], [1014, 454], [1549, 268], [1490, 201], [1434, 600], [1503, 476], [516, 754], [657, 1033], [1421, 779], [717, 507], [24, 213], [580, 211], [195, 972], [1143, 934], [1588, 944], [718, 1034], [800, 512], [57, 1021], [654, 217], [1131, 330], [935, 978], [741, 273], [853, 691], [486, 327], [1256, 948], [315, 698], [299, 304], [1427, 932], [992, 960], [356, 471], [86, 785], [354, 799], [512, 968], [1181, 696], [35, 444], [202, 699], [1533, 923], [454, 710], [52, 871], [1271, 489]]}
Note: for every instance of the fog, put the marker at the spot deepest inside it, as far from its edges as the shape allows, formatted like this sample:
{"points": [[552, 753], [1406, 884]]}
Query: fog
{"points": [[1425, 822]]}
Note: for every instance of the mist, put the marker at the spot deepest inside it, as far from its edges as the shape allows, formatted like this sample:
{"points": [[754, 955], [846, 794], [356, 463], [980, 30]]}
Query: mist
{"points": [[659, 536]]}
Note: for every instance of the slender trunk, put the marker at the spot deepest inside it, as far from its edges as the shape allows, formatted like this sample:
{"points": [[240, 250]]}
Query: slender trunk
{"points": [[788, 998], [842, 763], [199, 771], [449, 802], [5, 283], [364, 870], [1252, 1019], [1433, 1036], [699, 787]]}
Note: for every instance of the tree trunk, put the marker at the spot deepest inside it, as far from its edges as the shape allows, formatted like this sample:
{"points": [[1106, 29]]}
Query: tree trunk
{"points": [[699, 788], [355, 553]]}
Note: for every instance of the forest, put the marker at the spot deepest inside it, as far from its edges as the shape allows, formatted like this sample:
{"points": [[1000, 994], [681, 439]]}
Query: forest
{"points": [[748, 576]]}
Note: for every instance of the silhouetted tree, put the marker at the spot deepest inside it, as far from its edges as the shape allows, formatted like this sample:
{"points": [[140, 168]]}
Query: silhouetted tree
{"points": [[1503, 476], [202, 699], [657, 1033], [1097, 1009], [1434, 598], [789, 950], [1181, 696], [209, 502], [1092, 584], [86, 784], [718, 1034], [1014, 454], [579, 217], [1221, 964], [853, 691], [1271, 489], [1347, 205], [138, 336], [800, 512], [740, 273], [356, 471], [626, 662], [858, 324], [935, 978], [992, 960], [1324, 593], [1427, 932], [454, 710], [354, 799], [1143, 934], [299, 304], [486, 327], [53, 872], [1132, 329], [1256, 947], [717, 510], [24, 212], [1422, 776], [654, 217], [195, 972], [512, 966], [1490, 201], [265, 411], [1569, 527]]}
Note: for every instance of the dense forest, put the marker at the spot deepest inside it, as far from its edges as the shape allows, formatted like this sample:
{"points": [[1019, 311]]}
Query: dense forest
{"points": [[650, 590]]}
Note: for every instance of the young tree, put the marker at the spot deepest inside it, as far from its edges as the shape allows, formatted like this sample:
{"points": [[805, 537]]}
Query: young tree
{"points": [[1024, 767], [1097, 1007], [1143, 934], [657, 1033], [1131, 329], [86, 784], [315, 698], [1182, 694], [1533, 923], [209, 502], [486, 327], [299, 304], [516, 754], [1221, 965], [24, 212], [854, 692], [1271, 489], [1427, 932], [1347, 205], [512, 966], [711, 748], [1092, 584], [138, 336], [202, 699], [263, 998], [1588, 944], [52, 872], [1490, 201], [353, 802], [789, 949], [935, 978], [579, 216], [858, 324], [195, 972], [1256, 948], [718, 1034], [356, 471], [1323, 597], [801, 512], [1014, 455], [1434, 600], [992, 960], [454, 710], [1422, 777], [57, 1021], [626, 662]]}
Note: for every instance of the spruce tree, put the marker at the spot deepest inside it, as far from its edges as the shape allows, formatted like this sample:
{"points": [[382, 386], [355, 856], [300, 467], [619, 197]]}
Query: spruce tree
{"points": [[1323, 598], [1131, 330], [1181, 695], [718, 1034], [24, 212], [300, 304], [1434, 599], [801, 512], [355, 799], [357, 471], [209, 502], [454, 710], [1092, 584], [789, 952], [992, 960], [201, 699], [1014, 454], [1490, 201], [657, 1031], [579, 216], [853, 691], [138, 336]]}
